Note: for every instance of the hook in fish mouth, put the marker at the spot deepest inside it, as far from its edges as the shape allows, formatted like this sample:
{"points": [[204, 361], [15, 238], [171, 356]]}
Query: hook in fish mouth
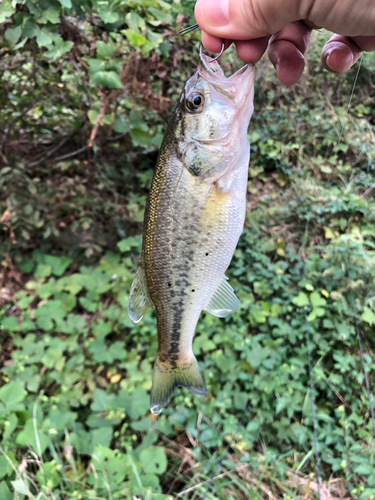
{"points": [[189, 29], [218, 56]]}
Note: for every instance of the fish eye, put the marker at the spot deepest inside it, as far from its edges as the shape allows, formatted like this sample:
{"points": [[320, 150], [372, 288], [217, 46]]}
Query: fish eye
{"points": [[195, 102]]}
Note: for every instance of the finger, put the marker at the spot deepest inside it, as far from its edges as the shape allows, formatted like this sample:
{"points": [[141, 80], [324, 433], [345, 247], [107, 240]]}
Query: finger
{"points": [[243, 19], [251, 51], [213, 43], [286, 49], [341, 52]]}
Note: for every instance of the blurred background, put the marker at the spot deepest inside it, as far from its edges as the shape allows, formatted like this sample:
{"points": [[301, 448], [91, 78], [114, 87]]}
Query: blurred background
{"points": [[86, 91]]}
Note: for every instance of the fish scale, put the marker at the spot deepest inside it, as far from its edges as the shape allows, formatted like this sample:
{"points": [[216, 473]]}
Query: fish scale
{"points": [[193, 219]]}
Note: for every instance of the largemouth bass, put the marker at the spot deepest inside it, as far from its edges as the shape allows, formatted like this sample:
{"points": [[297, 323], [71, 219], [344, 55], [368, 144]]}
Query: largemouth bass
{"points": [[193, 219]]}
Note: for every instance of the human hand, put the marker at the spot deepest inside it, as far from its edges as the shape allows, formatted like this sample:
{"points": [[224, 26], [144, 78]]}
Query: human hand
{"points": [[283, 28]]}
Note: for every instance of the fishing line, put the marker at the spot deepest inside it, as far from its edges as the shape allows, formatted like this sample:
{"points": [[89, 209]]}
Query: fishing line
{"points": [[187, 30], [246, 411], [350, 101], [362, 355], [348, 107], [312, 399], [347, 270]]}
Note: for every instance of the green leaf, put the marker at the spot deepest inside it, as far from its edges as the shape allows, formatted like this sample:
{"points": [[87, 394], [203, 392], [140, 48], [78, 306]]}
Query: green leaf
{"points": [[4, 466], [68, 300], [88, 304], [140, 138], [9, 323], [28, 435], [281, 404], [121, 126], [107, 79], [5, 494], [96, 65], [12, 393], [12, 424], [136, 40], [102, 436], [13, 34], [45, 323], [48, 476], [59, 48], [30, 29], [368, 316], [153, 460], [301, 300], [127, 244], [108, 17], [92, 115], [136, 405], [20, 486], [66, 3], [364, 469], [240, 400], [43, 38], [137, 122], [42, 271], [317, 300], [58, 264], [105, 50], [52, 14], [6, 10], [26, 265]]}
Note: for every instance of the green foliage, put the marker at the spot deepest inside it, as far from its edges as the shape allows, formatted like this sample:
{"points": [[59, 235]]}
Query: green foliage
{"points": [[75, 372]]}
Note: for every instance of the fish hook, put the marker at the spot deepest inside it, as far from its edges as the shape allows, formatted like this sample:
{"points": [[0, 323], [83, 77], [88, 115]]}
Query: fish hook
{"points": [[217, 57], [187, 30]]}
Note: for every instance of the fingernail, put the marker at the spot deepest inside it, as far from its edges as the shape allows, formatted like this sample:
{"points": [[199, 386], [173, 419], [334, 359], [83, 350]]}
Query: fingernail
{"points": [[214, 12], [327, 61], [341, 61]]}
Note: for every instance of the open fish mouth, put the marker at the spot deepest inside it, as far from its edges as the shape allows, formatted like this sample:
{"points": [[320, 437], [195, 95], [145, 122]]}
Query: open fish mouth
{"points": [[239, 87]]}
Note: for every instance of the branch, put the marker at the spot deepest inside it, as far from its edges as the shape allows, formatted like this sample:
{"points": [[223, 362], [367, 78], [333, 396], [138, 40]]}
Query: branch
{"points": [[53, 150], [103, 106], [69, 155]]}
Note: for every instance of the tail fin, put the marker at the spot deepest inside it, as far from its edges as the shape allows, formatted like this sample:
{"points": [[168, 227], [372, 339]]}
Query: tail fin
{"points": [[166, 378]]}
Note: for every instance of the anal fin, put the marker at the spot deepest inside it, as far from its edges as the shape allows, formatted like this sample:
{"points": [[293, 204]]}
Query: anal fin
{"points": [[139, 299], [223, 301]]}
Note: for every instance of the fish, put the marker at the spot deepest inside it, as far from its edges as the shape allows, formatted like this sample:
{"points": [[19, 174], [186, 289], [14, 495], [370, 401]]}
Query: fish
{"points": [[193, 219]]}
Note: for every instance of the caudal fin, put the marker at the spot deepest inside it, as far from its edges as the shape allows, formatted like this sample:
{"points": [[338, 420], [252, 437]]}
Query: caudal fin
{"points": [[167, 377]]}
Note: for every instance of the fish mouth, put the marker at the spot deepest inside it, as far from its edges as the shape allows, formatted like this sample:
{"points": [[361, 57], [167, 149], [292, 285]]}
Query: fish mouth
{"points": [[237, 87]]}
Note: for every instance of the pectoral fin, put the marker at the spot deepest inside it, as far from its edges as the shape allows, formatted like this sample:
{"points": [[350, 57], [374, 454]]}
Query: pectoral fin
{"points": [[139, 299], [223, 301]]}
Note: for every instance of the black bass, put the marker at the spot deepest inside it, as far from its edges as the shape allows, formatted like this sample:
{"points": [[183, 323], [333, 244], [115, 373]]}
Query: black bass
{"points": [[193, 220]]}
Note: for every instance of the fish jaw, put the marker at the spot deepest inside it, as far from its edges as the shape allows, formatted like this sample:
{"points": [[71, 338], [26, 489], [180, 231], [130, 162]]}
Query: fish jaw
{"points": [[239, 88]]}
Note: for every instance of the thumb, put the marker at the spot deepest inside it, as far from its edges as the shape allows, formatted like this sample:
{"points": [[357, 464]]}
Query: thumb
{"points": [[246, 19]]}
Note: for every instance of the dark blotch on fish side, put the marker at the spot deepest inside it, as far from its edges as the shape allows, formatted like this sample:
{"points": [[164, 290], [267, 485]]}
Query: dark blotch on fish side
{"points": [[193, 169]]}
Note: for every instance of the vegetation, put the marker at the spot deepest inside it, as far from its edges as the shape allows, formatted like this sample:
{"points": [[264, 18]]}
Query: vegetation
{"points": [[87, 88]]}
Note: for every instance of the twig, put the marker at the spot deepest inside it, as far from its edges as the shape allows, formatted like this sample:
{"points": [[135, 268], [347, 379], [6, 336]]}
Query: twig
{"points": [[69, 155], [103, 106], [53, 150]]}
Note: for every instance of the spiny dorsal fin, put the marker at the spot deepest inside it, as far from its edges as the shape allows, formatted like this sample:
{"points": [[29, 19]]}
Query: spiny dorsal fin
{"points": [[223, 301], [139, 299]]}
